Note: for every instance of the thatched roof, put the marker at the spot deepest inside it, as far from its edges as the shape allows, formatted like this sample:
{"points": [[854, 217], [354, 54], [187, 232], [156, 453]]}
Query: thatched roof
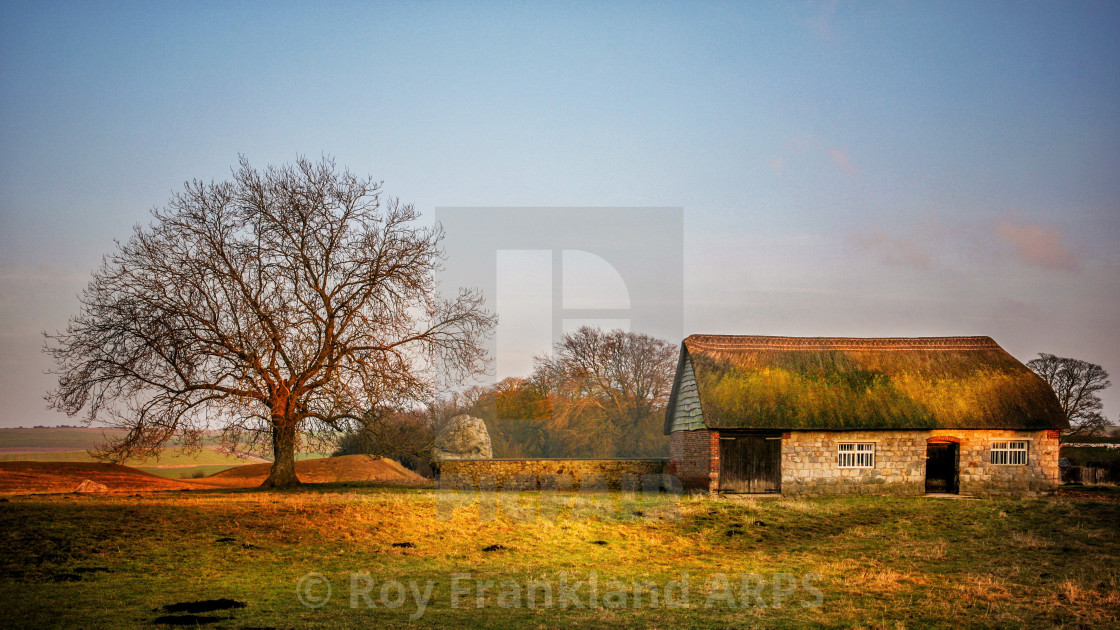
{"points": [[851, 383]]}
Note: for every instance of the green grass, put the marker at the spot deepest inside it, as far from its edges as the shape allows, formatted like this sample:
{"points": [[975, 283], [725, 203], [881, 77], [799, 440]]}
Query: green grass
{"points": [[302, 456], [78, 439], [1101, 491], [78, 442], [173, 464], [172, 456], [52, 456], [1094, 439], [1082, 455], [114, 561]]}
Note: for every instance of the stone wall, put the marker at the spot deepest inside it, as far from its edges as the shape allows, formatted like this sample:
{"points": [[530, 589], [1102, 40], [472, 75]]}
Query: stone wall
{"points": [[979, 477], [809, 463], [554, 474], [809, 466], [694, 459]]}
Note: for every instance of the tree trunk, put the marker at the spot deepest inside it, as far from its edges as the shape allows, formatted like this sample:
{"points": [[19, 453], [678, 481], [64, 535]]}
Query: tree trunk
{"points": [[283, 473]]}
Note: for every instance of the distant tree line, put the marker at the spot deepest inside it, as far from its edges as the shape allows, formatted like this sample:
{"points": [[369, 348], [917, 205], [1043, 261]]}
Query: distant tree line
{"points": [[603, 394], [600, 394]]}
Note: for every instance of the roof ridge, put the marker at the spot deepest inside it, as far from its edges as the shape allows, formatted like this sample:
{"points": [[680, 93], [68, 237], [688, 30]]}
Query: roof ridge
{"points": [[764, 342]]}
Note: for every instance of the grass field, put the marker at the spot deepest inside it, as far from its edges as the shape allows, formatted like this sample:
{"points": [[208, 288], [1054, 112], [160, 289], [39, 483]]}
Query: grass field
{"points": [[69, 444], [126, 561], [173, 463], [70, 438], [1083, 455], [171, 456]]}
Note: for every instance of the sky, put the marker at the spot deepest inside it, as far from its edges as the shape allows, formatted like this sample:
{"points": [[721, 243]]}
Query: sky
{"points": [[844, 169]]}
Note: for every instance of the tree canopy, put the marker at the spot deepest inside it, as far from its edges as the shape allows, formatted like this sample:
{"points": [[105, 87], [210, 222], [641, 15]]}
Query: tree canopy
{"points": [[610, 385], [287, 299], [600, 394], [1076, 384]]}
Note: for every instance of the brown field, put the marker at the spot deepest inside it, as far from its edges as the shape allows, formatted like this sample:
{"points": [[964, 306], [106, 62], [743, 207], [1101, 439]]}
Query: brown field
{"points": [[25, 477], [47, 477]]}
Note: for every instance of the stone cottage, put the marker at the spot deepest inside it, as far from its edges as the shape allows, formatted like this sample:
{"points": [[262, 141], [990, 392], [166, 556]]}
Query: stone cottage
{"points": [[817, 415]]}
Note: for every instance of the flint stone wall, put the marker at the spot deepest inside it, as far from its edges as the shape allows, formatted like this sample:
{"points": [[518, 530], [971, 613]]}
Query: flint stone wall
{"points": [[556, 474], [809, 464]]}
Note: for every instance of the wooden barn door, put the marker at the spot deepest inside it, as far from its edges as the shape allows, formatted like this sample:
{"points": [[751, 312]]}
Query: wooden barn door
{"points": [[941, 467], [750, 464]]}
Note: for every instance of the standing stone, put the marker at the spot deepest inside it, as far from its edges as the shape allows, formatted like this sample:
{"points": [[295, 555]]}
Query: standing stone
{"points": [[91, 486], [463, 437]]}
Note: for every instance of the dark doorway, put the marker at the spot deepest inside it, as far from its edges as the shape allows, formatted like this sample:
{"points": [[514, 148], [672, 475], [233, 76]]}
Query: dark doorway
{"points": [[941, 467], [750, 463]]}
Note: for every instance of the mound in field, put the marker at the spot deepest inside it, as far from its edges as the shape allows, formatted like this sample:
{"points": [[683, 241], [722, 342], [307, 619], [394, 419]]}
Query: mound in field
{"points": [[34, 477], [326, 470]]}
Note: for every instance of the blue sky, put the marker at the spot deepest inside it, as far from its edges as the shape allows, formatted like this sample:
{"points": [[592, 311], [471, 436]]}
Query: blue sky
{"points": [[866, 169]]}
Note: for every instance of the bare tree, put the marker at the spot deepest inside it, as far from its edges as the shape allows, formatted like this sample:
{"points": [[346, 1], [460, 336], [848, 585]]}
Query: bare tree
{"points": [[614, 381], [286, 300], [1076, 384]]}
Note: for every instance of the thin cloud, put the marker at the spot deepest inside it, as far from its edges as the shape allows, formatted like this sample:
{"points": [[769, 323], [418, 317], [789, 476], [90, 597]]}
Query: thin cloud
{"points": [[1035, 244], [822, 21], [802, 151], [1010, 309], [841, 158], [904, 252]]}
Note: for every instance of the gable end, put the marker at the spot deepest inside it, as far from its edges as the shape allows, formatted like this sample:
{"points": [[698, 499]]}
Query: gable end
{"points": [[684, 412]]}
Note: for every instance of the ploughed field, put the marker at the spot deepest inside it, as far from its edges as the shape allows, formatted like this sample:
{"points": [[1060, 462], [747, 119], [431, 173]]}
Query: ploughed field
{"points": [[39, 477], [32, 477], [397, 556]]}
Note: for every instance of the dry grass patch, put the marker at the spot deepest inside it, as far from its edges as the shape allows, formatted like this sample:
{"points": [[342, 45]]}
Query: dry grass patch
{"points": [[1030, 541], [928, 551], [985, 587], [957, 563]]}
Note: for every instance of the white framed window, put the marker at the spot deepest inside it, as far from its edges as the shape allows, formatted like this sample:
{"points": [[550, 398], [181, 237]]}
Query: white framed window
{"points": [[855, 455], [1010, 453]]}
